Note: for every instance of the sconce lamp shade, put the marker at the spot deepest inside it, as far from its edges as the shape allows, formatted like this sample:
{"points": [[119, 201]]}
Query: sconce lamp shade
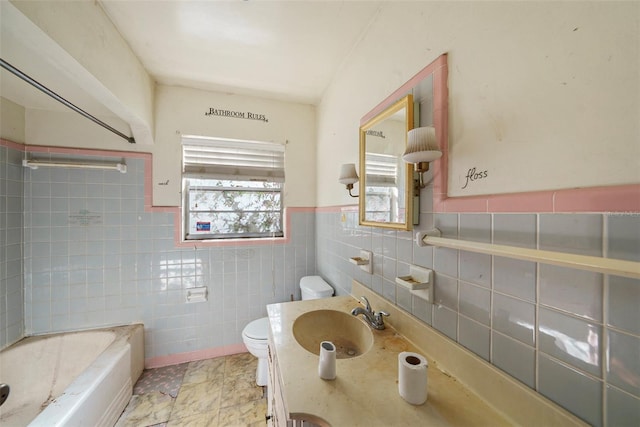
{"points": [[348, 174], [422, 146]]}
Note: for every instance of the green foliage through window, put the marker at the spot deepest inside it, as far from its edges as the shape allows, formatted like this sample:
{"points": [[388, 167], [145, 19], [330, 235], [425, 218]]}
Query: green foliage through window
{"points": [[233, 209]]}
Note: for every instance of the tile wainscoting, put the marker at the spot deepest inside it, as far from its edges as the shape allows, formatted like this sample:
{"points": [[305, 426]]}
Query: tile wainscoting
{"points": [[90, 252], [571, 335]]}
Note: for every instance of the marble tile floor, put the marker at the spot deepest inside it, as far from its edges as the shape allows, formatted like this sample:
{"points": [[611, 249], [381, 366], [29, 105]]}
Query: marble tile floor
{"points": [[213, 392]]}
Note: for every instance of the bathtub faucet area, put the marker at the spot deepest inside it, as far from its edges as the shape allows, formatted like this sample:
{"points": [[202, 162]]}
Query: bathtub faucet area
{"points": [[4, 393]]}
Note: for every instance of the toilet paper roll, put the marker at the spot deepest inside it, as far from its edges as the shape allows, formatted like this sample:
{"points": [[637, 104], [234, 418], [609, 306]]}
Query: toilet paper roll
{"points": [[412, 377], [327, 362]]}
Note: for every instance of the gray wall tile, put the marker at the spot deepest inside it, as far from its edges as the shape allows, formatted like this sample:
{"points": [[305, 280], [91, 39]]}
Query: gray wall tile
{"points": [[515, 358], [446, 291], [515, 277], [389, 268], [515, 230], [474, 336], [475, 303], [624, 303], [624, 362], [571, 340], [403, 296], [446, 261], [574, 391], [389, 246], [624, 237], [623, 410], [447, 224], [576, 291], [573, 233], [422, 309], [405, 250], [475, 227], [475, 268], [389, 290], [423, 256], [446, 321], [514, 318]]}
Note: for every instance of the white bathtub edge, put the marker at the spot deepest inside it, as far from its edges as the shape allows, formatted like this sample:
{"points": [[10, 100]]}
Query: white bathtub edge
{"points": [[103, 389], [114, 410]]}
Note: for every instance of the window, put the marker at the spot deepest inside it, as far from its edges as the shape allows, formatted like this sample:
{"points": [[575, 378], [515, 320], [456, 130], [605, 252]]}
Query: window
{"points": [[232, 188], [382, 190]]}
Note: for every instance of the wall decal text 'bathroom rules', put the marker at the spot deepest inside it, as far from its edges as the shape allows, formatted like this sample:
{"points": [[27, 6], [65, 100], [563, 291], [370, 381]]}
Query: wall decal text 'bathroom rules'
{"points": [[236, 114]]}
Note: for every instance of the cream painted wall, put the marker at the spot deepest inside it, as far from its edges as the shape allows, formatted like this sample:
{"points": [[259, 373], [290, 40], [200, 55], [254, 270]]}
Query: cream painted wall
{"points": [[79, 41], [70, 129], [11, 121], [541, 95], [181, 111]]}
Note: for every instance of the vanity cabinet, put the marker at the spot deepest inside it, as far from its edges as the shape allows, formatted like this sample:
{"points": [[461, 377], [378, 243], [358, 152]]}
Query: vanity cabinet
{"points": [[276, 412]]}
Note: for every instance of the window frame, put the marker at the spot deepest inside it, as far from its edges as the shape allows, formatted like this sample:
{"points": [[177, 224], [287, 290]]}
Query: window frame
{"points": [[187, 191]]}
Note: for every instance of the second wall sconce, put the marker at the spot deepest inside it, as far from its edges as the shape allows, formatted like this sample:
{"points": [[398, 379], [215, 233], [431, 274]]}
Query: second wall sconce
{"points": [[422, 148], [348, 176]]}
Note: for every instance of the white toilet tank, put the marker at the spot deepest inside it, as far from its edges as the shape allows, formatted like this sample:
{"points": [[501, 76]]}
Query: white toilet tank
{"points": [[314, 287]]}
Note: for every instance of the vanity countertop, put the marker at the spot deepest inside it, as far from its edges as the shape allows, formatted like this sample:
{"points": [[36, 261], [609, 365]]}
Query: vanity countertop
{"points": [[365, 391]]}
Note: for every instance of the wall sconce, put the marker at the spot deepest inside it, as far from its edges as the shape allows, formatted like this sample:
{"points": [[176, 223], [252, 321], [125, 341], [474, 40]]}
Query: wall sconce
{"points": [[348, 176], [422, 148]]}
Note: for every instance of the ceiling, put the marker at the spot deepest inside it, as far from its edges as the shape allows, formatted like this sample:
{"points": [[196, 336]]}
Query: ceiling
{"points": [[280, 49], [287, 50]]}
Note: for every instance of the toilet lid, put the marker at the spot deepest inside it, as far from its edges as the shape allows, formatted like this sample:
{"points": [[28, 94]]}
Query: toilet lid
{"points": [[257, 329], [315, 284]]}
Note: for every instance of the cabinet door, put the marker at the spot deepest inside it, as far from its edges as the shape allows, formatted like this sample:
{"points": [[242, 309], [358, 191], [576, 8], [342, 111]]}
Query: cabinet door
{"points": [[271, 416]]}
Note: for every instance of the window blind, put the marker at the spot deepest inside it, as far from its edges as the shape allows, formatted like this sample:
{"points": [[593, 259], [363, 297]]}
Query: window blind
{"points": [[204, 157], [381, 169]]}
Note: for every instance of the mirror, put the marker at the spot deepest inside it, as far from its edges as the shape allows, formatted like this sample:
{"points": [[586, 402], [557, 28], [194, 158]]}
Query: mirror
{"points": [[386, 181]]}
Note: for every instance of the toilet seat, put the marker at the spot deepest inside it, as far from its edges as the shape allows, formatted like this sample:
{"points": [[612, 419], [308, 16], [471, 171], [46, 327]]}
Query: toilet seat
{"points": [[257, 330], [255, 337]]}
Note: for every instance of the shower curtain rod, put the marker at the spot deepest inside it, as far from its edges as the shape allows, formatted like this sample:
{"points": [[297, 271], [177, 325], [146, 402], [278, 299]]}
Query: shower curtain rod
{"points": [[60, 99]]}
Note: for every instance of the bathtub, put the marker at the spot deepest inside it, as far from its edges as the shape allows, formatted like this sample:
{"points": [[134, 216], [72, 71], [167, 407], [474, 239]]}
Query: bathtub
{"points": [[71, 379]]}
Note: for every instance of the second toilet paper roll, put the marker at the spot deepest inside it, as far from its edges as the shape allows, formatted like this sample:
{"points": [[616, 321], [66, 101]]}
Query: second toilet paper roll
{"points": [[327, 362], [412, 377]]}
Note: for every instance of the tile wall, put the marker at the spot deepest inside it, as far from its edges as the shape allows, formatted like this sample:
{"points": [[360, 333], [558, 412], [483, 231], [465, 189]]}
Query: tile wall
{"points": [[11, 261], [78, 250], [573, 336], [94, 257]]}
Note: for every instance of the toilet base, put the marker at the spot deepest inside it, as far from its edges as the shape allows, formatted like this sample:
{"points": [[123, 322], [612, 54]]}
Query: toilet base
{"points": [[262, 372]]}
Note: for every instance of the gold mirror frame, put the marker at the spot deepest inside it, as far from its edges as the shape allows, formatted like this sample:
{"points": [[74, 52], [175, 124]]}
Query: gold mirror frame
{"points": [[405, 103]]}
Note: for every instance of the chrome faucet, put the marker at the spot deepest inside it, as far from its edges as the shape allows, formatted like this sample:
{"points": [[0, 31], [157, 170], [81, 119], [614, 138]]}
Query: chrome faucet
{"points": [[374, 319]]}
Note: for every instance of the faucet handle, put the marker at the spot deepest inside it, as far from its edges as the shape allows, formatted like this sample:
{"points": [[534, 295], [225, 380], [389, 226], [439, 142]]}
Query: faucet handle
{"points": [[379, 315], [379, 320], [365, 301]]}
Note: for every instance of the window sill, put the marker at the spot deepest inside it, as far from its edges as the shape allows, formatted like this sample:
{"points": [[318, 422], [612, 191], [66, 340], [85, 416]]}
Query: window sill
{"points": [[255, 241]]}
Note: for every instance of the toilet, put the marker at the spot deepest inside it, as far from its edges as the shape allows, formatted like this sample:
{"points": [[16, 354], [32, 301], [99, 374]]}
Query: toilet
{"points": [[256, 333]]}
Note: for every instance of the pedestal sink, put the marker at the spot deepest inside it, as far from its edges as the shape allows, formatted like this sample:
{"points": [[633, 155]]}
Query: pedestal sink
{"points": [[351, 336]]}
